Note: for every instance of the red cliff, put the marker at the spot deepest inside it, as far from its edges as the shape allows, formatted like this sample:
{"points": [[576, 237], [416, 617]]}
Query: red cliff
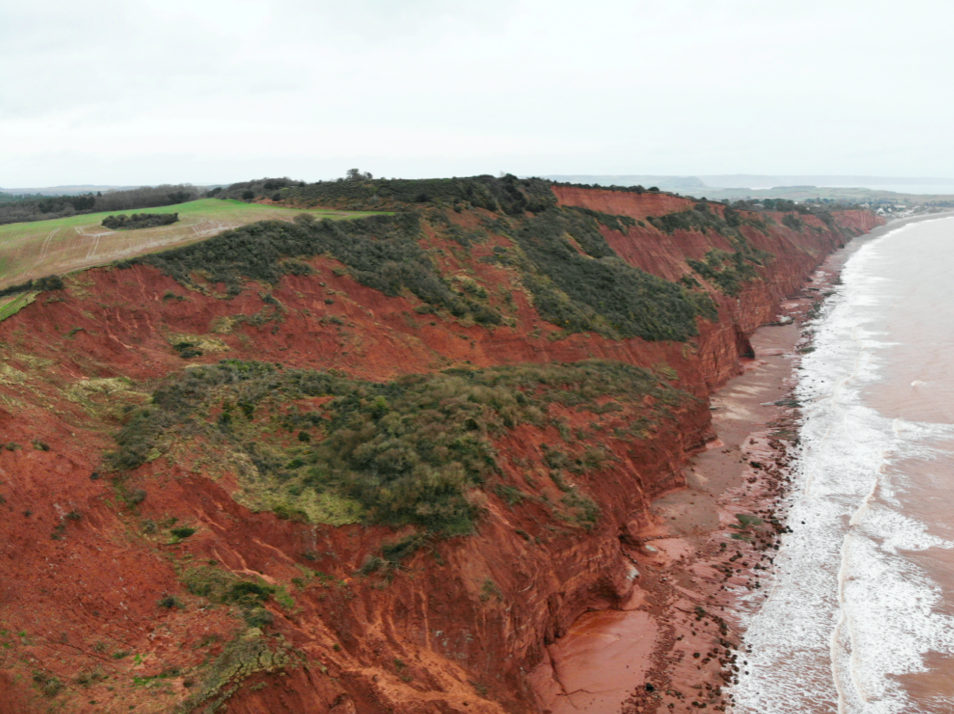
{"points": [[94, 612]]}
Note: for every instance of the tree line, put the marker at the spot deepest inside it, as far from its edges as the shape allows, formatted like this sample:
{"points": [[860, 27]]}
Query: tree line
{"points": [[50, 282], [19, 209]]}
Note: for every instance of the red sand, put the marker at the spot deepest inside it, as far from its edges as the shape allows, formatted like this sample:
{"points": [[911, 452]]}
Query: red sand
{"points": [[601, 650]]}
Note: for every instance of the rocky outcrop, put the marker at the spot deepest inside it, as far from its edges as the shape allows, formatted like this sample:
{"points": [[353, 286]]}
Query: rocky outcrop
{"points": [[91, 594]]}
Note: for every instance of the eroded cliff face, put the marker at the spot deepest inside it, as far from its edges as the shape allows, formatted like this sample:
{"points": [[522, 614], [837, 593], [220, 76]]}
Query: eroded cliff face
{"points": [[94, 614]]}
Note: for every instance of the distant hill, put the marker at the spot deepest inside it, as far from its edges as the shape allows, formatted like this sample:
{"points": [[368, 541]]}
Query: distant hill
{"points": [[768, 181], [667, 183], [65, 190], [731, 187], [762, 181], [83, 189]]}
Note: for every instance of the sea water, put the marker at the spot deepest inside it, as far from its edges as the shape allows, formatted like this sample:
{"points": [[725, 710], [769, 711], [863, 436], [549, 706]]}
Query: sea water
{"points": [[859, 618]]}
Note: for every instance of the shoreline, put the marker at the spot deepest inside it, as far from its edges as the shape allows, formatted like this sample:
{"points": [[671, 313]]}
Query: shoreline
{"points": [[726, 523], [703, 560], [897, 222]]}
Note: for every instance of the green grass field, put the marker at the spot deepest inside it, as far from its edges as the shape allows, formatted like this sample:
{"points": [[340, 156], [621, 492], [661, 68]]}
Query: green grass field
{"points": [[12, 304], [32, 250]]}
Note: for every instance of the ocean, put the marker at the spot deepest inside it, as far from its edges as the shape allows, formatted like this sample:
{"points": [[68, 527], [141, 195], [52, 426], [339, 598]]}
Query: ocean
{"points": [[920, 189], [859, 616], [945, 189]]}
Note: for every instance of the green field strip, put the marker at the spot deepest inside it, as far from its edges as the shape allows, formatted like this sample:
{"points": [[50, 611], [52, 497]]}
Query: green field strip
{"points": [[39, 248], [13, 305]]}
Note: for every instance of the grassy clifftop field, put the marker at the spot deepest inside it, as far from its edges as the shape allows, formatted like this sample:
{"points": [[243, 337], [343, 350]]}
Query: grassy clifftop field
{"points": [[31, 250]]}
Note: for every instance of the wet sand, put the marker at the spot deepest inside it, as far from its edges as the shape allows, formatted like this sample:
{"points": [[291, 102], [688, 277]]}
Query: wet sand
{"points": [[673, 648], [600, 650]]}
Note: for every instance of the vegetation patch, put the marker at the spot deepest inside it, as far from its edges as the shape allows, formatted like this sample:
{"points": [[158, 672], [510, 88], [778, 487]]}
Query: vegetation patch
{"points": [[576, 279], [122, 222], [249, 653], [381, 252], [507, 194], [613, 222], [793, 221], [50, 282], [49, 685], [596, 290], [408, 452], [195, 345], [582, 509], [703, 217], [103, 396], [727, 271], [13, 305], [225, 588]]}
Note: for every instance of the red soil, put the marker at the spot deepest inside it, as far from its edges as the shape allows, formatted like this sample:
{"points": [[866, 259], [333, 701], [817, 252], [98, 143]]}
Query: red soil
{"points": [[621, 203]]}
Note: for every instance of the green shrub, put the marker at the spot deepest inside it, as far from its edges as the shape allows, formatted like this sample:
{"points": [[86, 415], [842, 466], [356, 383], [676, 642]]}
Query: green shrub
{"points": [[122, 222], [464, 237], [616, 223], [287, 513], [592, 291], [506, 194], [187, 350], [209, 582], [405, 452], [135, 496], [792, 221], [583, 510], [169, 602], [249, 592], [397, 551], [489, 589], [372, 564], [381, 252], [48, 684], [599, 291], [509, 494], [222, 587], [258, 617], [727, 271]]}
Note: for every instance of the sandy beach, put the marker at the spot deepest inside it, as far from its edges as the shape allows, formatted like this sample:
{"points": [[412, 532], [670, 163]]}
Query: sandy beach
{"points": [[708, 553]]}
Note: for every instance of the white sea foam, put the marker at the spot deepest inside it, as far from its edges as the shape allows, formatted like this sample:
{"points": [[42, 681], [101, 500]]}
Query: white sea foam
{"points": [[847, 611]]}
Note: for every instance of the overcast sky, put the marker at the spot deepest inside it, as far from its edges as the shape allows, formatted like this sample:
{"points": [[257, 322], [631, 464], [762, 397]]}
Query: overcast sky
{"points": [[212, 91]]}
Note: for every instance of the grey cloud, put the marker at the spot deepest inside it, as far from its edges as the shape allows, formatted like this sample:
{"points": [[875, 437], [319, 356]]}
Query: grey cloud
{"points": [[202, 90]]}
